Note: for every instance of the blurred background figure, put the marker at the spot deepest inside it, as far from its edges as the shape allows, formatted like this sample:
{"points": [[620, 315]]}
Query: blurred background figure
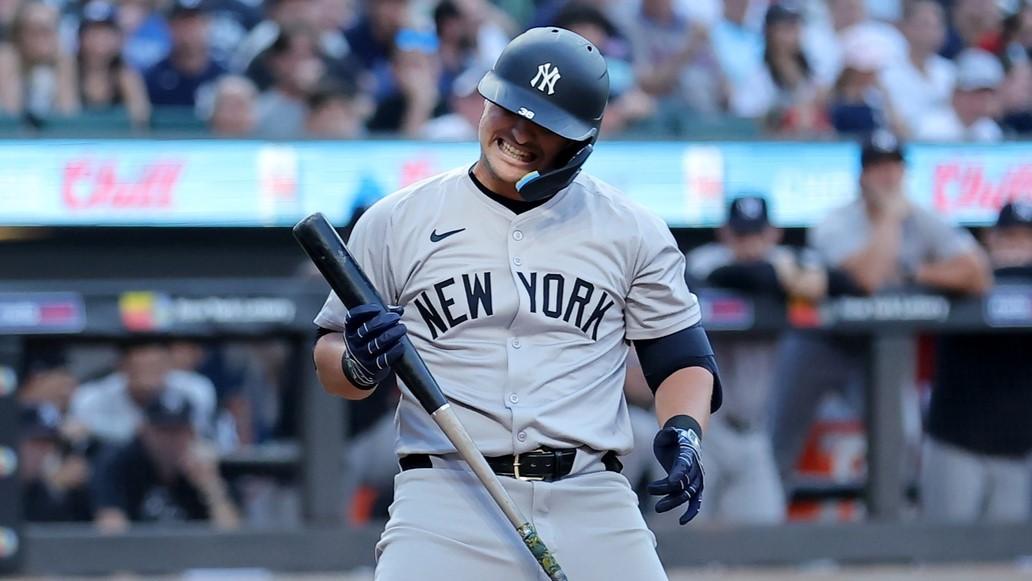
{"points": [[973, 24], [146, 33], [235, 103], [858, 104], [54, 469], [881, 241], [921, 86], [165, 473], [295, 66], [177, 80], [38, 75], [466, 106], [783, 90], [373, 35], [112, 407], [106, 82], [337, 110], [409, 95], [976, 461], [1016, 92], [674, 60], [974, 102], [743, 483]]}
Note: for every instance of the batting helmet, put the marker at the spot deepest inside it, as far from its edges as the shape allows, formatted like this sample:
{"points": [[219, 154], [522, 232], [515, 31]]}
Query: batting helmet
{"points": [[558, 80]]}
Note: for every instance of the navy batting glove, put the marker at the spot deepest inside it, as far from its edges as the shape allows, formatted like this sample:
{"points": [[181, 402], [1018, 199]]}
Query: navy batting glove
{"points": [[372, 339], [677, 448]]}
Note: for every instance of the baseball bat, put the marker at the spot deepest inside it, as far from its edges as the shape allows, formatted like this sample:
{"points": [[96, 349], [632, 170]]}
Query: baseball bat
{"points": [[326, 249]]}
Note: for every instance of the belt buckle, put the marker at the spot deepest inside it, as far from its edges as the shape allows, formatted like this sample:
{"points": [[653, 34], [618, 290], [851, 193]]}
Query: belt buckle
{"points": [[516, 469]]}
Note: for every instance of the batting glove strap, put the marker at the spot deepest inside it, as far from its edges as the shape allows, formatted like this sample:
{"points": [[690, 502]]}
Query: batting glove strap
{"points": [[356, 373]]}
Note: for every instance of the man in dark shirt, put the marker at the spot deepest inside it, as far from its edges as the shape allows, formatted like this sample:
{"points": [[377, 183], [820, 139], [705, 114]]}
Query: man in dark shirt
{"points": [[371, 37], [176, 80], [165, 474], [53, 473], [976, 459]]}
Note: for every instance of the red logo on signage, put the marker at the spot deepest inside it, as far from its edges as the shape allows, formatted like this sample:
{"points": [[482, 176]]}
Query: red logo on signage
{"points": [[90, 183], [958, 186]]}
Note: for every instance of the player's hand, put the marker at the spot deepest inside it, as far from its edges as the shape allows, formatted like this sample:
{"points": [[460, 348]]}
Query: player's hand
{"points": [[372, 337], [677, 450]]}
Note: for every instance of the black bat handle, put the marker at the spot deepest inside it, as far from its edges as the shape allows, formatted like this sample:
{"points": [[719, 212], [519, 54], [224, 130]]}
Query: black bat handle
{"points": [[326, 249]]}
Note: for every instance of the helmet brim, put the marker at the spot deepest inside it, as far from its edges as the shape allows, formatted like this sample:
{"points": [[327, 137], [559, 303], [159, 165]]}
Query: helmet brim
{"points": [[514, 99]]}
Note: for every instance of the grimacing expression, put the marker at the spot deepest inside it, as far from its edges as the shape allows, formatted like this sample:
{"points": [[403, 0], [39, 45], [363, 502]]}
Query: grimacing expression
{"points": [[514, 146]]}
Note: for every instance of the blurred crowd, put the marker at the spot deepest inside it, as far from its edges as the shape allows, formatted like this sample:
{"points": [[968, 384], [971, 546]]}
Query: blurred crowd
{"points": [[937, 70], [142, 438]]}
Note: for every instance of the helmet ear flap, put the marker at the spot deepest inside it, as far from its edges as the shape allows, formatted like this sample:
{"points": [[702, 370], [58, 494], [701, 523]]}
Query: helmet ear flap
{"points": [[535, 186]]}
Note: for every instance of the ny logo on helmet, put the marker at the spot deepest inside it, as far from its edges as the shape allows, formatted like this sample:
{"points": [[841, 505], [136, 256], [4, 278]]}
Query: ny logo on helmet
{"points": [[545, 78]]}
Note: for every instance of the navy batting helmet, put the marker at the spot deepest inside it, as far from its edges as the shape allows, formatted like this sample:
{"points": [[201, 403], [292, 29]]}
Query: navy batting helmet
{"points": [[558, 80]]}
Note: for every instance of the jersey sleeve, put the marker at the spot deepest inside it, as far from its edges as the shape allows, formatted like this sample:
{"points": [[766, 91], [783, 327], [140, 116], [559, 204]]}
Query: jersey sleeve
{"points": [[369, 245], [944, 240], [658, 302]]}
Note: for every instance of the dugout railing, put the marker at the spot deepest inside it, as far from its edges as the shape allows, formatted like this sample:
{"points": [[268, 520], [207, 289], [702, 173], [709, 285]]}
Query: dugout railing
{"points": [[106, 310]]}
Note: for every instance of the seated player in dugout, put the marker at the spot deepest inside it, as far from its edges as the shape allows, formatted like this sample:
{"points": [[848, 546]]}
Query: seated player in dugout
{"points": [[522, 282]]}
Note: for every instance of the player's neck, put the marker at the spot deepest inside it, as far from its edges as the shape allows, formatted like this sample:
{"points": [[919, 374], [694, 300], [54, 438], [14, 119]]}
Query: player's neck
{"points": [[490, 181]]}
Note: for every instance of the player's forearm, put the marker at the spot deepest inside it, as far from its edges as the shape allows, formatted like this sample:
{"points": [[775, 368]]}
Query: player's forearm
{"points": [[688, 392], [329, 351], [967, 273]]}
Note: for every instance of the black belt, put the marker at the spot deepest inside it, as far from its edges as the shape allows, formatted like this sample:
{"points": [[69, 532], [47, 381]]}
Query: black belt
{"points": [[545, 464]]}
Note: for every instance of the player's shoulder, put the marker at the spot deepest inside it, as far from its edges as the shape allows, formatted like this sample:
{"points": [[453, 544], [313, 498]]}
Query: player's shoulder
{"points": [[427, 191], [605, 198]]}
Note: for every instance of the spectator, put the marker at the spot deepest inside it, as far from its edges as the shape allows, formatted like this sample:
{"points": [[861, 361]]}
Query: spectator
{"points": [[414, 99], [53, 473], [111, 407], [105, 81], [979, 446], [881, 241], [296, 67], [973, 24], [739, 48], [784, 90], [674, 60], [826, 40], [1016, 94], [230, 21], [234, 109], [177, 79], [471, 33], [743, 480], [373, 35], [337, 110], [466, 105], [315, 15], [38, 77], [921, 85], [1017, 32], [858, 104], [8, 11], [166, 473], [975, 103], [146, 33], [628, 104]]}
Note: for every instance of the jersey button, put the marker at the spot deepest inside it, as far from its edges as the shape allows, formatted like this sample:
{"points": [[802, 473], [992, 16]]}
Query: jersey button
{"points": [[513, 398], [516, 343], [517, 235], [517, 261], [522, 436]]}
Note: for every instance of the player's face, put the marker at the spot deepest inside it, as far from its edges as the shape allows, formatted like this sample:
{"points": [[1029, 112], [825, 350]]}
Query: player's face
{"points": [[1010, 246], [882, 178], [512, 147]]}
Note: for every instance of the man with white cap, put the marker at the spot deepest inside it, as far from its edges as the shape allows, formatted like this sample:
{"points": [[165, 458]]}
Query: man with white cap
{"points": [[979, 75]]}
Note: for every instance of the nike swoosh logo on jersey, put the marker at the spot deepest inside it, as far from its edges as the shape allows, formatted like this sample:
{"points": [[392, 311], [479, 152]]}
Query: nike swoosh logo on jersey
{"points": [[435, 237]]}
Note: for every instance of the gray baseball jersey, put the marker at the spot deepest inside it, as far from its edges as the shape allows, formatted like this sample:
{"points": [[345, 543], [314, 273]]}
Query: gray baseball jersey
{"points": [[523, 319]]}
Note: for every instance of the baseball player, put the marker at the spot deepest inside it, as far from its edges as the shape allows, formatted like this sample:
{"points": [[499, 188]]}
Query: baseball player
{"points": [[522, 282]]}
